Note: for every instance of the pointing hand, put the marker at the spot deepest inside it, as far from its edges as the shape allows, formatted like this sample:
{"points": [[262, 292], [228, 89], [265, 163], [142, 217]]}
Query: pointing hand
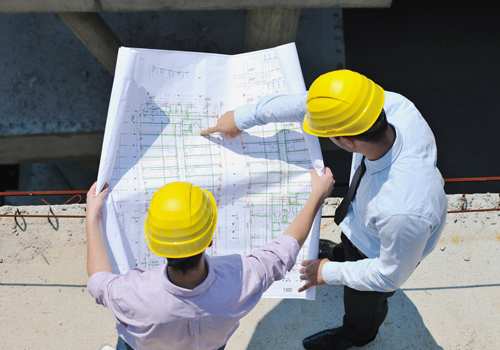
{"points": [[225, 125]]}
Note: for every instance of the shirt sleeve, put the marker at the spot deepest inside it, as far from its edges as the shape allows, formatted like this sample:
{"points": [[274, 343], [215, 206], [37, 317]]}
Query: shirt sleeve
{"points": [[106, 288], [402, 242], [272, 109], [98, 286], [273, 261]]}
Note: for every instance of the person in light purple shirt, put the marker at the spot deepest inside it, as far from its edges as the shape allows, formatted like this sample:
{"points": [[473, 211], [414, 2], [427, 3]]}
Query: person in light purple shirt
{"points": [[164, 308]]}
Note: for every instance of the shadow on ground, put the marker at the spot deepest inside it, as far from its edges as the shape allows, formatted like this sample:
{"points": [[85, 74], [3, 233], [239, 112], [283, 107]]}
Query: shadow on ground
{"points": [[291, 320]]}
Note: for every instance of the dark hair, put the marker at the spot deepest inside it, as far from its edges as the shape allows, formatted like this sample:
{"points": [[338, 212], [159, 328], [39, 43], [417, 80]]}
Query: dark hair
{"points": [[184, 264], [376, 132]]}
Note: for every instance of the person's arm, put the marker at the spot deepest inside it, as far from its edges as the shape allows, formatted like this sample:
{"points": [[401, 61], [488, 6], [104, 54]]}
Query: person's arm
{"points": [[269, 109], [321, 187], [402, 241], [97, 255], [402, 238], [271, 262]]}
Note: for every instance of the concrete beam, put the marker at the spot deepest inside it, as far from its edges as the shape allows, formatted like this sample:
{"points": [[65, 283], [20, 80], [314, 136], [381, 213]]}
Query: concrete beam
{"points": [[58, 6], [83, 147], [270, 27], [91, 29]]}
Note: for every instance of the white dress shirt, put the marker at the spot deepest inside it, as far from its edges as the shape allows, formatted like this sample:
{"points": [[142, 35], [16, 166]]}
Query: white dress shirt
{"points": [[399, 210]]}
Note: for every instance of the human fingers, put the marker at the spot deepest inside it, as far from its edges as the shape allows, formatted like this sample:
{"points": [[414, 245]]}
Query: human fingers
{"points": [[321, 186], [328, 171], [210, 130], [91, 193], [92, 188], [305, 287], [314, 178], [327, 182], [303, 272], [104, 192], [313, 172], [330, 179], [232, 135], [95, 201]]}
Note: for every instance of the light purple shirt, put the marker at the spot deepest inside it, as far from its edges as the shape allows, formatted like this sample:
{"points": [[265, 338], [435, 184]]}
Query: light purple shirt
{"points": [[153, 313]]}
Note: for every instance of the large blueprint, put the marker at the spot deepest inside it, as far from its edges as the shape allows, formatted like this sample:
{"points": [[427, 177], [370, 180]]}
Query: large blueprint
{"points": [[160, 102]]}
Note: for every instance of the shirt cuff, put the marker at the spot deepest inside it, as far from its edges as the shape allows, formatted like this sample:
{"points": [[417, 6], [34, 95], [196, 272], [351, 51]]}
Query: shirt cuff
{"points": [[332, 273], [243, 117], [287, 248]]}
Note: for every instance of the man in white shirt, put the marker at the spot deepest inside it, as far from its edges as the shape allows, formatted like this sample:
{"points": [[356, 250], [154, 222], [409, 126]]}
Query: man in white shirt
{"points": [[394, 218]]}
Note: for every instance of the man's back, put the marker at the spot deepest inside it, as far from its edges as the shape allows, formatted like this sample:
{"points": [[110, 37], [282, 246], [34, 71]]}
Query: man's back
{"points": [[400, 207], [152, 313]]}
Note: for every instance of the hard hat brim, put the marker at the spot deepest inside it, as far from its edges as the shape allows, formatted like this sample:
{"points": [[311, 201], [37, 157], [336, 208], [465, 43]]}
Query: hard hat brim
{"points": [[187, 248], [329, 120]]}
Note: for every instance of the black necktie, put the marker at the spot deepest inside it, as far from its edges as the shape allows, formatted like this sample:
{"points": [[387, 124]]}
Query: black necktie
{"points": [[341, 211]]}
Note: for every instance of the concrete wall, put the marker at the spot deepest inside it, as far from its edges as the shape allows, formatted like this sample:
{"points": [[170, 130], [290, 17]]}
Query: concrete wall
{"points": [[24, 6]]}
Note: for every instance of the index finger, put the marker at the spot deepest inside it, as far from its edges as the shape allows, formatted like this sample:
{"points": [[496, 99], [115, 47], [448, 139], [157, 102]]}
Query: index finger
{"points": [[210, 130], [305, 287]]}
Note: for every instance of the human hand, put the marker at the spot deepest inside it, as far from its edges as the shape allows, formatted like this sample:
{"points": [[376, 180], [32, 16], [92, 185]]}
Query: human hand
{"points": [[225, 125], [311, 272], [96, 202], [321, 186]]}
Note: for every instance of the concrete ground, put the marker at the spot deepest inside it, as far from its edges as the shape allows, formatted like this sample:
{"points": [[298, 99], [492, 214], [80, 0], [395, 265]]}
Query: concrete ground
{"points": [[450, 302]]}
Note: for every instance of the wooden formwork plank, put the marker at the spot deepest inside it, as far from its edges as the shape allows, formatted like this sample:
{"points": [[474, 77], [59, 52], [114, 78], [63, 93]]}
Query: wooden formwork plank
{"points": [[51, 148], [58, 6], [270, 27], [91, 29]]}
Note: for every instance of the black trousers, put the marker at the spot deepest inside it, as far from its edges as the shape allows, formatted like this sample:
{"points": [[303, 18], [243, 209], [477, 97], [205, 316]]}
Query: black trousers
{"points": [[364, 311]]}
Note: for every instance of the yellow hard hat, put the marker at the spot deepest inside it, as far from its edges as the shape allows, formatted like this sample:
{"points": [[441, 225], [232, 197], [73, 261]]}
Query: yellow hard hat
{"points": [[342, 103], [181, 220]]}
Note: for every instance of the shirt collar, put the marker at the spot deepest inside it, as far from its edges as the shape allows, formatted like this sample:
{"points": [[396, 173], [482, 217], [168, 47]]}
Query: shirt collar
{"points": [[179, 291], [375, 166]]}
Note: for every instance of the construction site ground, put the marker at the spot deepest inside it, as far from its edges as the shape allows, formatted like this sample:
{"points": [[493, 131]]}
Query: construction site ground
{"points": [[450, 302]]}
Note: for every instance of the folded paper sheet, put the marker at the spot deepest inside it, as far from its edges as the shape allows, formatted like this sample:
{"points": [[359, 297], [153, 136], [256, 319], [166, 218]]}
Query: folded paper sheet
{"points": [[160, 102]]}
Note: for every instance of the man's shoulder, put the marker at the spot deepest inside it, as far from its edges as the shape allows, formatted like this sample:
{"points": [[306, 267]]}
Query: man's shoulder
{"points": [[396, 103], [233, 261], [411, 191], [231, 264], [394, 97], [283, 249]]}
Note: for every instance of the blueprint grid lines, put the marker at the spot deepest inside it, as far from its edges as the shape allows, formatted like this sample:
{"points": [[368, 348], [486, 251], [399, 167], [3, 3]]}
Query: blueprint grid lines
{"points": [[259, 180]]}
